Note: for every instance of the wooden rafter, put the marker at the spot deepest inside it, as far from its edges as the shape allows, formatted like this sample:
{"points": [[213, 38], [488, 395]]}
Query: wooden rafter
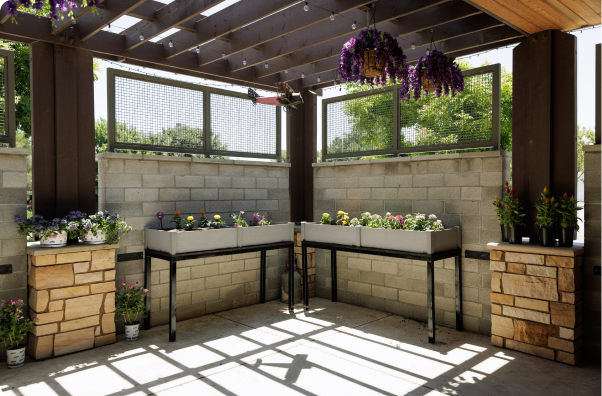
{"points": [[173, 14], [90, 24]]}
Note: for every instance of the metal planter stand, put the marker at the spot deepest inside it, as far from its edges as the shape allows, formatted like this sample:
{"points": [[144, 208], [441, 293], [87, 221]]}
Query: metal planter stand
{"points": [[430, 274], [173, 259]]}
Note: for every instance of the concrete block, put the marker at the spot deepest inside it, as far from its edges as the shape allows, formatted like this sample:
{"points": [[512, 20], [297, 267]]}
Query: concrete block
{"points": [[141, 194], [257, 193], [413, 167], [443, 192], [444, 166], [472, 165], [434, 180], [372, 278], [362, 288], [384, 292], [491, 179]]}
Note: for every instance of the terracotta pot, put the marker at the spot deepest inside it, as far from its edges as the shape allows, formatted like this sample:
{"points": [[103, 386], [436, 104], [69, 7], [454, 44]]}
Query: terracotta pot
{"points": [[373, 67], [546, 236], [566, 237], [504, 233], [132, 331], [515, 235], [427, 85]]}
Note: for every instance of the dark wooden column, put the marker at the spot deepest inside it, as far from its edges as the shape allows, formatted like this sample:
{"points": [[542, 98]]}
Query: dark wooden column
{"points": [[62, 113], [598, 99], [301, 137], [544, 119]]}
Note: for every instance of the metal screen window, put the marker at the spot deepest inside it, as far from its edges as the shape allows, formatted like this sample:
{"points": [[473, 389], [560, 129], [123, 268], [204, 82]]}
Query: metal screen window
{"points": [[7, 97], [361, 124], [239, 126], [3, 96], [157, 114], [148, 113], [364, 123]]}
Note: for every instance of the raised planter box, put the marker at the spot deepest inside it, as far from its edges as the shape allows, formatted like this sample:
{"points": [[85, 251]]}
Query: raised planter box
{"points": [[412, 241], [314, 232], [174, 242]]}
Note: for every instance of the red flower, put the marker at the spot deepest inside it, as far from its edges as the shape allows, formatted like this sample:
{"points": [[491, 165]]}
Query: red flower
{"points": [[565, 195], [390, 218], [548, 201], [513, 190], [506, 183]]}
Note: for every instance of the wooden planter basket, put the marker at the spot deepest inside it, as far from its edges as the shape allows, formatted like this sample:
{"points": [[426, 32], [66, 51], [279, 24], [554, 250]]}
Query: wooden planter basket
{"points": [[372, 68], [427, 85]]}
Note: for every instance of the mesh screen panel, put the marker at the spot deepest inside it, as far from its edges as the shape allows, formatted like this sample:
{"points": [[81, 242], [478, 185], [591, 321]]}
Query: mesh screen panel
{"points": [[360, 124], [467, 118], [3, 129], [239, 126], [158, 114]]}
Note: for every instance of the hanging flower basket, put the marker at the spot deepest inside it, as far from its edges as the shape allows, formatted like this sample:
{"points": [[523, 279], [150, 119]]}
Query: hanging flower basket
{"points": [[436, 72], [374, 58], [373, 67]]}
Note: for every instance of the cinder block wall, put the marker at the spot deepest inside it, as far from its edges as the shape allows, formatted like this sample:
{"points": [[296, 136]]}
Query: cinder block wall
{"points": [[458, 188], [13, 202], [593, 242], [138, 186]]}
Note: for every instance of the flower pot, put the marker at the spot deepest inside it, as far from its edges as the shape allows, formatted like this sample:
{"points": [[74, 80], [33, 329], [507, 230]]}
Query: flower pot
{"points": [[411, 241], [504, 233], [515, 235], [132, 331], [95, 238], [546, 236], [427, 85], [54, 240], [373, 67], [566, 237], [15, 357]]}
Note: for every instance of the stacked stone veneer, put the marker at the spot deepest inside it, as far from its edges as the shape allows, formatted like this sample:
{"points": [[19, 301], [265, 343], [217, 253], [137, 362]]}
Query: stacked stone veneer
{"points": [[72, 294], [537, 301], [13, 202], [138, 186], [311, 265], [458, 188]]}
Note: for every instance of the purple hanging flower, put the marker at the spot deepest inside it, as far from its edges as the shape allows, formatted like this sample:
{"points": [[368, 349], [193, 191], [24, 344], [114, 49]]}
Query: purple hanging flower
{"points": [[11, 7], [443, 73]]}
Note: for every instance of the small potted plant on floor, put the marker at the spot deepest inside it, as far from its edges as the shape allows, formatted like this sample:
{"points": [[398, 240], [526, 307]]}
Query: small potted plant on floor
{"points": [[546, 218], [14, 325], [129, 302], [51, 233], [568, 219]]}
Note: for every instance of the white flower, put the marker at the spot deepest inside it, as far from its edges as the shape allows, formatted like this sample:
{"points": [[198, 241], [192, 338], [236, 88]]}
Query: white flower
{"points": [[439, 222], [432, 217]]}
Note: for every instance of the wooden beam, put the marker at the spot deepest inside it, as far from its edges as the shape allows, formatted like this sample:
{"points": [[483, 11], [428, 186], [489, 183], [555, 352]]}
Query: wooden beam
{"points": [[146, 11], [225, 21], [66, 21], [277, 25], [171, 15], [90, 24]]}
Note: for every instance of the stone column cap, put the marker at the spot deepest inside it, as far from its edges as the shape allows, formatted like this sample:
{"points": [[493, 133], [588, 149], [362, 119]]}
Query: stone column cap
{"points": [[34, 249], [576, 250]]}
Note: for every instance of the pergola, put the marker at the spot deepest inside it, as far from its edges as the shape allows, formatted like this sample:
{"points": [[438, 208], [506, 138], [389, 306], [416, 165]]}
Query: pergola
{"points": [[261, 43]]}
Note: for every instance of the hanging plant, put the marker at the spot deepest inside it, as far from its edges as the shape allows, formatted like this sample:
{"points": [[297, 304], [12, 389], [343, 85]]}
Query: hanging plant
{"points": [[51, 8], [436, 72], [374, 58]]}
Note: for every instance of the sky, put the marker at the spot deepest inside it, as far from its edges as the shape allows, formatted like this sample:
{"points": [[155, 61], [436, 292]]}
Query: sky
{"points": [[586, 42]]}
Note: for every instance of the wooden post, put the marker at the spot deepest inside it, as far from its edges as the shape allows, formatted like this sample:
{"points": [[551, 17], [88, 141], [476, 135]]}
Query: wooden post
{"points": [[598, 100], [301, 138], [62, 113], [544, 119]]}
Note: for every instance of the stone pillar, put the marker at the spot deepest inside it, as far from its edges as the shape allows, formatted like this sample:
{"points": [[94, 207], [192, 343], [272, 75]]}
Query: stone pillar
{"points": [[537, 300], [72, 293], [311, 265]]}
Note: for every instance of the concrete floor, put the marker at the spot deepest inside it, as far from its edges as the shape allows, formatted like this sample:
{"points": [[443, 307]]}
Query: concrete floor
{"points": [[334, 349]]}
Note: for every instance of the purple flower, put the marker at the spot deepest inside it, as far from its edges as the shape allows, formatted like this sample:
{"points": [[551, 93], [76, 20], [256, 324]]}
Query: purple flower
{"points": [[11, 7]]}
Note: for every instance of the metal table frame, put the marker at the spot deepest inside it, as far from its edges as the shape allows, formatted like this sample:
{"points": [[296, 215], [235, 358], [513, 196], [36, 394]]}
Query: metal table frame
{"points": [[173, 259], [430, 274]]}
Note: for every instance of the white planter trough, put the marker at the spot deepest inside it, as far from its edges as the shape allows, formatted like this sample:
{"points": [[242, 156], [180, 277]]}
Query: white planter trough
{"points": [[412, 241], [340, 235], [174, 242]]}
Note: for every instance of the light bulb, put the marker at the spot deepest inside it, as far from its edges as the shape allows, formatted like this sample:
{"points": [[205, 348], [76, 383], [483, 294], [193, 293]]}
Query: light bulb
{"points": [[244, 62], [332, 16], [413, 46], [306, 7], [266, 65], [198, 50], [141, 36], [353, 25], [319, 79], [170, 44], [286, 71], [302, 75], [224, 55], [428, 52]]}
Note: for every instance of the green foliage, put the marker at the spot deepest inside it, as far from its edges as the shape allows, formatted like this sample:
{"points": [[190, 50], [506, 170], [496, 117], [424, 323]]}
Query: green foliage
{"points": [[326, 219], [547, 212], [585, 136], [189, 224], [103, 222], [14, 323], [567, 212], [238, 220], [129, 301]]}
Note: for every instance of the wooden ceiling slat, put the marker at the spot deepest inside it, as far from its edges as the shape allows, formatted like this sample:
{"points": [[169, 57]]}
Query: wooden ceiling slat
{"points": [[550, 12], [90, 24], [171, 15], [225, 21], [411, 23], [594, 5], [277, 25], [531, 11], [556, 7], [507, 15]]}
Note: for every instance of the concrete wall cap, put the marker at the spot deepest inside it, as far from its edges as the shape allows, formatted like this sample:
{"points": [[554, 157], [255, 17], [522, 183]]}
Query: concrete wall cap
{"points": [[13, 151], [592, 147]]}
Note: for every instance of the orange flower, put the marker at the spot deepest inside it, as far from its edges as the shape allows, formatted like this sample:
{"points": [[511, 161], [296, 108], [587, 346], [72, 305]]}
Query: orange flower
{"points": [[572, 199], [565, 195], [177, 212], [552, 199], [545, 190], [202, 212], [548, 201]]}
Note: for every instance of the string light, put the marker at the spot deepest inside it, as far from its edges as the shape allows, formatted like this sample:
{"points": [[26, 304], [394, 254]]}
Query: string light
{"points": [[413, 47], [319, 79], [306, 7], [141, 37], [286, 71], [224, 55], [244, 62], [332, 16], [353, 26], [428, 52], [266, 65], [198, 50], [302, 75], [170, 44]]}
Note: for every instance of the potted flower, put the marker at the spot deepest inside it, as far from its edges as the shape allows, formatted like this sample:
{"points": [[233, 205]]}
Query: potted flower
{"points": [[436, 72], [14, 325], [189, 224], [514, 213], [101, 227], [546, 218], [52, 233], [203, 221], [326, 219], [129, 302], [177, 219], [500, 212], [343, 218], [217, 222], [374, 58], [568, 219], [238, 220]]}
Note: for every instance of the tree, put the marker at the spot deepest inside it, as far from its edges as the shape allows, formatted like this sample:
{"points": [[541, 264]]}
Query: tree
{"points": [[585, 136]]}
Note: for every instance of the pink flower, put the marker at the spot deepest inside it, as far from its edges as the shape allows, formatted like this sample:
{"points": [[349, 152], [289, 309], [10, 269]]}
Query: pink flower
{"points": [[123, 284], [137, 283], [241, 212], [130, 286], [146, 290]]}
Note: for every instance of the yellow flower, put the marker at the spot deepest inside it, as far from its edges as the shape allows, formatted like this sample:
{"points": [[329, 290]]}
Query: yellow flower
{"points": [[325, 214], [217, 217], [340, 212], [572, 198], [344, 223], [496, 198], [545, 190], [190, 218], [552, 199]]}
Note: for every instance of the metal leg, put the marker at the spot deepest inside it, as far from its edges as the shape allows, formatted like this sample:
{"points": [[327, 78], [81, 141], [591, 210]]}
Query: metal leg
{"points": [[459, 319], [430, 298], [172, 300], [147, 284], [333, 274], [305, 276], [291, 279], [262, 276]]}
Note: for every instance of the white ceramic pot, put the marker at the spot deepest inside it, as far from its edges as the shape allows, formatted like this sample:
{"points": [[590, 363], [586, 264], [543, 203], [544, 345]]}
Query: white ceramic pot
{"points": [[132, 331], [15, 357], [55, 240], [92, 238]]}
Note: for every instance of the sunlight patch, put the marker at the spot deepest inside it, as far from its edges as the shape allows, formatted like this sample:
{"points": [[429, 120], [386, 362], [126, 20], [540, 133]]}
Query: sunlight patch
{"points": [[490, 365], [146, 368], [39, 389], [127, 353], [475, 348], [296, 326], [194, 356], [99, 381], [232, 345]]}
